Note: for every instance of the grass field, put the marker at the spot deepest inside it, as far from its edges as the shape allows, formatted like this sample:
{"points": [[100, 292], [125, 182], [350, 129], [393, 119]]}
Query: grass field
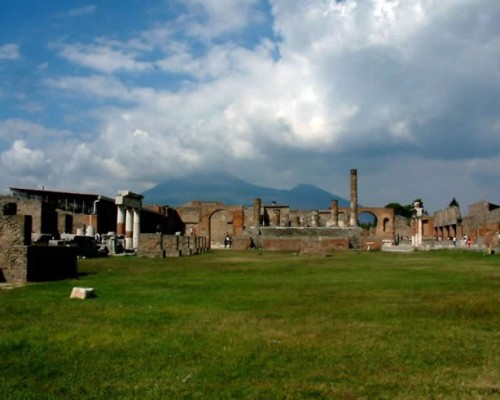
{"points": [[251, 325]]}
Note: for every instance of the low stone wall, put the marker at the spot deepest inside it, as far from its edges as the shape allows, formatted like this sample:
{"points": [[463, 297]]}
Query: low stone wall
{"points": [[151, 245], [371, 244], [307, 240], [323, 246], [282, 244], [157, 245], [241, 243], [306, 246]]}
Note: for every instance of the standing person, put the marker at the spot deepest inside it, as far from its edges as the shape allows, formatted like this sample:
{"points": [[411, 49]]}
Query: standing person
{"points": [[455, 241]]}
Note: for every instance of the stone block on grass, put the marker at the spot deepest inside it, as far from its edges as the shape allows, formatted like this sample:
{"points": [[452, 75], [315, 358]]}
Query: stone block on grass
{"points": [[82, 293]]}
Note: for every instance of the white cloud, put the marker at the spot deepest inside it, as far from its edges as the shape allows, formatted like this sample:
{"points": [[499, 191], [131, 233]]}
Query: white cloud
{"points": [[356, 83], [103, 58], [94, 85], [212, 18], [9, 51], [20, 160], [80, 11], [400, 130], [12, 129]]}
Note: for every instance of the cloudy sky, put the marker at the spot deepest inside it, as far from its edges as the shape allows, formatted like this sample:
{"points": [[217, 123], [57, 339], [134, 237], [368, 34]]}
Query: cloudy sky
{"points": [[110, 95]]}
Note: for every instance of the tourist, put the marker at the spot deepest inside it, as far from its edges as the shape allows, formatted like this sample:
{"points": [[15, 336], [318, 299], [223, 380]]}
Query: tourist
{"points": [[227, 241]]}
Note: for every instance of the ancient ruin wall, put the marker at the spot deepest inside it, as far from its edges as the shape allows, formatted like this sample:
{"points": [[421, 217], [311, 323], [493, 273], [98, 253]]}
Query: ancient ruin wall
{"points": [[157, 245], [308, 240], [15, 236]]}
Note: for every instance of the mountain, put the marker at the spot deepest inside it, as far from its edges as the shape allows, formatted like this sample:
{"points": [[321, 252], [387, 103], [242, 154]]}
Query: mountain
{"points": [[231, 190]]}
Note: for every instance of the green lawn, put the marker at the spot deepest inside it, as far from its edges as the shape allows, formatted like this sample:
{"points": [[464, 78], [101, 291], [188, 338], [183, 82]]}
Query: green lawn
{"points": [[251, 325]]}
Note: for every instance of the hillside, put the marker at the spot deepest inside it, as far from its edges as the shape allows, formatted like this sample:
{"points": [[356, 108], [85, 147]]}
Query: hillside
{"points": [[231, 190]]}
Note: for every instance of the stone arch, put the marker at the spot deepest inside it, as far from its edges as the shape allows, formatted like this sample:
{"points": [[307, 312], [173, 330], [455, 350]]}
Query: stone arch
{"points": [[368, 220], [365, 217], [385, 221], [220, 223]]}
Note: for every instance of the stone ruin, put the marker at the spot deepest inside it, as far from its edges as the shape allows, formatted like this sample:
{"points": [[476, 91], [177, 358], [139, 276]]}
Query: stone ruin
{"points": [[277, 227], [21, 261], [94, 225], [124, 224]]}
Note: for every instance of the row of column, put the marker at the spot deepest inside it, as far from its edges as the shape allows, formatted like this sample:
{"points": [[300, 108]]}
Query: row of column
{"points": [[128, 224], [334, 207], [128, 219]]}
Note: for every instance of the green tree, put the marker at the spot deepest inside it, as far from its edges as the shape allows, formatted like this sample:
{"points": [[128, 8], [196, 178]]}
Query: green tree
{"points": [[404, 211]]}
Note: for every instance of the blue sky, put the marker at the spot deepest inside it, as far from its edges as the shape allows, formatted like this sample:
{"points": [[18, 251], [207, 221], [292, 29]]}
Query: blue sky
{"points": [[111, 95]]}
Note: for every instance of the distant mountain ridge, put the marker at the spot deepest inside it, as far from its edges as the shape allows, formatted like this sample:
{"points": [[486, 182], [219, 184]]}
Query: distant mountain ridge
{"points": [[230, 190]]}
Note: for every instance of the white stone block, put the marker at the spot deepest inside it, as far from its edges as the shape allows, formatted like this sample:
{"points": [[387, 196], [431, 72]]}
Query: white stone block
{"points": [[82, 293]]}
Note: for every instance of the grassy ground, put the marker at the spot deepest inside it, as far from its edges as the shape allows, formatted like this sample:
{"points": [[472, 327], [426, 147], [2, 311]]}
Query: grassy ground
{"points": [[251, 325]]}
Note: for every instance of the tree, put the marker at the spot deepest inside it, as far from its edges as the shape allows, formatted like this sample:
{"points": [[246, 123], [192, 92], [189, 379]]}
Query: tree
{"points": [[403, 211]]}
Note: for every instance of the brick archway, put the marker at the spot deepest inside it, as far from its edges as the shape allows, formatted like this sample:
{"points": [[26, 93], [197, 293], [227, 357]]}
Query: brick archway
{"points": [[385, 220]]}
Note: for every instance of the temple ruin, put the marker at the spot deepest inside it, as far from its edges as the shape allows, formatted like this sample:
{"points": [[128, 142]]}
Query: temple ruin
{"points": [[42, 231], [277, 227]]}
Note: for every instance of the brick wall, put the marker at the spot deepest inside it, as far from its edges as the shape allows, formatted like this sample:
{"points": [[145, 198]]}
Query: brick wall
{"points": [[306, 246], [281, 244], [321, 245]]}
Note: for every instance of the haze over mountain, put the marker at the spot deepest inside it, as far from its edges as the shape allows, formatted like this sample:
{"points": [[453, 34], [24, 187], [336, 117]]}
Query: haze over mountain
{"points": [[230, 190]]}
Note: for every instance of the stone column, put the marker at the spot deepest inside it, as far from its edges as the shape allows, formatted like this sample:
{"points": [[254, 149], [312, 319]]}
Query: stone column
{"points": [[129, 220], [136, 228], [354, 198], [256, 211], [120, 221], [334, 213], [314, 219], [417, 225], [132, 203], [274, 217]]}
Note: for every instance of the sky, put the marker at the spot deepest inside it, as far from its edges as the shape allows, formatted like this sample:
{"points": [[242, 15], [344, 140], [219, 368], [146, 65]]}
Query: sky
{"points": [[122, 95]]}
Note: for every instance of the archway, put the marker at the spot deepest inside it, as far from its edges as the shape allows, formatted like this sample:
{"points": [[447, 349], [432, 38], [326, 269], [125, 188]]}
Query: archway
{"points": [[368, 221], [221, 224], [384, 225]]}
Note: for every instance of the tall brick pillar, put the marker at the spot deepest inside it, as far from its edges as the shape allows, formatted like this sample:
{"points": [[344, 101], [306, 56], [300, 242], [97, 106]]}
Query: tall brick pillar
{"points": [[354, 198], [256, 211]]}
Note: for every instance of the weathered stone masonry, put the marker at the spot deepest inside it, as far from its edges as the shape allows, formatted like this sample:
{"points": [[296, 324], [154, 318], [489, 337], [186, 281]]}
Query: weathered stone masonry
{"points": [[157, 245], [15, 236], [20, 261]]}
